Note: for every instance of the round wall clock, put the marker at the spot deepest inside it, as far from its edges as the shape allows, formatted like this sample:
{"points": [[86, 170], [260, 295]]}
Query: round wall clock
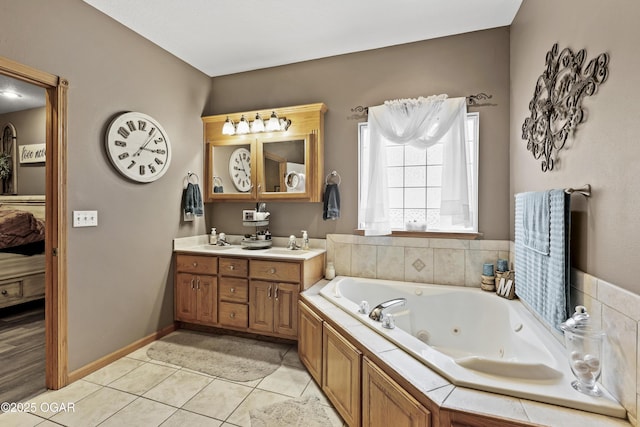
{"points": [[138, 147], [240, 169]]}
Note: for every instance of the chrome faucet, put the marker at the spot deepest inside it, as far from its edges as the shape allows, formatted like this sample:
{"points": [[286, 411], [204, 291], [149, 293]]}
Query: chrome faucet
{"points": [[292, 243], [378, 311]]}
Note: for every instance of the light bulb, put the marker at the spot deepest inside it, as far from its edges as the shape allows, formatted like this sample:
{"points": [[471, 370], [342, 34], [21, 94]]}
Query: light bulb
{"points": [[258, 124], [273, 124], [228, 128], [243, 126]]}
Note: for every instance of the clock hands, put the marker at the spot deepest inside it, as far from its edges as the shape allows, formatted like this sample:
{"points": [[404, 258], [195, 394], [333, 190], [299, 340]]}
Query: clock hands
{"points": [[158, 151], [143, 146]]}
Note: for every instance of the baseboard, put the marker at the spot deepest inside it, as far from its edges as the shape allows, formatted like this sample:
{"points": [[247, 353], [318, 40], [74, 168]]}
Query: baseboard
{"points": [[109, 358]]}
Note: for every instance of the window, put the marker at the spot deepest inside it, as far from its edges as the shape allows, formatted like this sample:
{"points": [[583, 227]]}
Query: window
{"points": [[415, 181]]}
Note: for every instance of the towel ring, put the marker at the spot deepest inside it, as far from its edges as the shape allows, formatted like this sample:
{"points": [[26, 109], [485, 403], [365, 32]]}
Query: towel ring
{"points": [[189, 179], [332, 175]]}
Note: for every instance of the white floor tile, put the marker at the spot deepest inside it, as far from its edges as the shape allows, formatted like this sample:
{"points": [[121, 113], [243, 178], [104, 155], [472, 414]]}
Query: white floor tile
{"points": [[143, 378], [257, 399], [141, 412], [95, 408], [113, 371], [286, 380], [69, 394], [19, 419], [183, 418], [177, 389], [218, 400]]}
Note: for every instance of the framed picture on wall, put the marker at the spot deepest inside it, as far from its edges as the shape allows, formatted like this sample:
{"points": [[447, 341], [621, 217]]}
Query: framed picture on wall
{"points": [[8, 160]]}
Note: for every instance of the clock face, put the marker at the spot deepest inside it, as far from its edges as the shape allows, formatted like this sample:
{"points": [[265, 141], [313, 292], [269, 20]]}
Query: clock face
{"points": [[240, 169], [138, 147]]}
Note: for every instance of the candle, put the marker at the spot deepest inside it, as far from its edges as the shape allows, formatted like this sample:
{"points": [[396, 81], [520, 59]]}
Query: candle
{"points": [[487, 269]]}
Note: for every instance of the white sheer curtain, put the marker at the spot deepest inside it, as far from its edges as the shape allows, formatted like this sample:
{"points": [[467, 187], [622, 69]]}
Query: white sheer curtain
{"points": [[420, 122]]}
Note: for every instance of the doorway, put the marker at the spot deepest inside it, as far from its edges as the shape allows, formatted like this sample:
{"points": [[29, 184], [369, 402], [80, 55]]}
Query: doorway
{"points": [[56, 369]]}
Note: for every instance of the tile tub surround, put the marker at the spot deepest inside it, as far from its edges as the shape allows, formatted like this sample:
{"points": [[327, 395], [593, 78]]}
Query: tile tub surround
{"points": [[410, 259]]}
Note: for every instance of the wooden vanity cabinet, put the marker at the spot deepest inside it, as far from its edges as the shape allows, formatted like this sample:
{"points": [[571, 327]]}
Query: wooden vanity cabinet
{"points": [[273, 297], [310, 341], [233, 292], [385, 403], [196, 289], [341, 367]]}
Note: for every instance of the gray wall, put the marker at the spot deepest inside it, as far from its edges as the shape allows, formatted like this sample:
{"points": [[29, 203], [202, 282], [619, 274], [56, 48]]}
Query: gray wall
{"points": [[459, 66], [31, 128], [119, 273], [605, 151]]}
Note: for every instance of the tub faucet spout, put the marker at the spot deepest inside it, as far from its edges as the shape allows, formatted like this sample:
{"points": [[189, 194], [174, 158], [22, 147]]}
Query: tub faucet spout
{"points": [[378, 311]]}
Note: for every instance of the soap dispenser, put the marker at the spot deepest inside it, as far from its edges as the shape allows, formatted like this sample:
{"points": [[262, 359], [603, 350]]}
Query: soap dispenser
{"points": [[213, 238], [305, 240]]}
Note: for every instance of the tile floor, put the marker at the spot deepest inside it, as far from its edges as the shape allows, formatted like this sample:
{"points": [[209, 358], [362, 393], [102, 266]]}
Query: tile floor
{"points": [[138, 391]]}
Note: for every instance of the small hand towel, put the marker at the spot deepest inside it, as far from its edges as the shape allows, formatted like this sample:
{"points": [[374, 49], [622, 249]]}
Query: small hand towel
{"points": [[331, 209], [536, 210], [192, 200]]}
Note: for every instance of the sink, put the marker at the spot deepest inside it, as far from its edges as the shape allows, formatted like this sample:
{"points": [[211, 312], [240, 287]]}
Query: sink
{"points": [[214, 248]]}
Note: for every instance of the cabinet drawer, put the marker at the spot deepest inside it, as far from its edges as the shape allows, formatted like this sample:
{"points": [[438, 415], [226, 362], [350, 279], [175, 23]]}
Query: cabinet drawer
{"points": [[236, 315], [233, 290], [236, 267], [197, 264], [275, 270], [10, 291]]}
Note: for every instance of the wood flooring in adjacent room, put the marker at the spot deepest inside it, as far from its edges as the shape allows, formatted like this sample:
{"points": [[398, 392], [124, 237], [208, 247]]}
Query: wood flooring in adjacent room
{"points": [[22, 357]]}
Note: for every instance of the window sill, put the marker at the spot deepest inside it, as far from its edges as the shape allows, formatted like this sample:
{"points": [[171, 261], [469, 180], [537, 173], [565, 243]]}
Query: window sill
{"points": [[430, 234]]}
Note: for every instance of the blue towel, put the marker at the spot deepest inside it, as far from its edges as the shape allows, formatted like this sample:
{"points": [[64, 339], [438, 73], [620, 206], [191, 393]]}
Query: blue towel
{"points": [[331, 208], [535, 221], [542, 281], [192, 200]]}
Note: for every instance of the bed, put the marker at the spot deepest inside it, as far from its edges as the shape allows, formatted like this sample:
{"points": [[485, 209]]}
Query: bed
{"points": [[22, 259]]}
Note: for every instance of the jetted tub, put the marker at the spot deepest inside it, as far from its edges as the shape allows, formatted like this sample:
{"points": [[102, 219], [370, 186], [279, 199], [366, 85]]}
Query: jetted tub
{"points": [[473, 338]]}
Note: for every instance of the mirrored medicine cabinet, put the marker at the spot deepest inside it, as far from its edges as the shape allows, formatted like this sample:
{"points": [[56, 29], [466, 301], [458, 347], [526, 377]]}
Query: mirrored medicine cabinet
{"points": [[284, 165]]}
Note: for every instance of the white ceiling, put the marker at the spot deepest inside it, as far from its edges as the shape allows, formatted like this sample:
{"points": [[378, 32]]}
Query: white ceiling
{"points": [[230, 36]]}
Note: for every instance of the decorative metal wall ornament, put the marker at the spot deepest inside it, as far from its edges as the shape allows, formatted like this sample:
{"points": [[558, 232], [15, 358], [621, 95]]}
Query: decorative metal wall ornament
{"points": [[556, 106]]}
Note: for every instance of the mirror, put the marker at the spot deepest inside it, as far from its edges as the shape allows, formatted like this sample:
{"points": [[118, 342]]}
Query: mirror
{"points": [[284, 166], [231, 171]]}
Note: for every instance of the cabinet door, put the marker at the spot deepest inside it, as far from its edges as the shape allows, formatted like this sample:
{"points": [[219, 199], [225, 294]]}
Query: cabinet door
{"points": [[185, 297], [385, 403], [285, 319], [207, 290], [231, 169], [341, 363], [310, 341], [261, 306]]}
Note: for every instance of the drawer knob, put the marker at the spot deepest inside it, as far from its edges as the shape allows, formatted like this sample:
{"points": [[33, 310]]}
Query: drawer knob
{"points": [[231, 267], [4, 292], [232, 290], [195, 264], [272, 270], [232, 315]]}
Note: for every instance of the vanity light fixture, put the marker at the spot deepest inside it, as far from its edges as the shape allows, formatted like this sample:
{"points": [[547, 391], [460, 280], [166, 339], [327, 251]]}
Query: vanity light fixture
{"points": [[257, 125], [274, 124], [243, 126], [228, 128]]}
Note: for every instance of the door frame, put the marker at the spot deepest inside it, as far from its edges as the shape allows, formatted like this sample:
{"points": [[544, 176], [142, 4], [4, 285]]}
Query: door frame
{"points": [[56, 351]]}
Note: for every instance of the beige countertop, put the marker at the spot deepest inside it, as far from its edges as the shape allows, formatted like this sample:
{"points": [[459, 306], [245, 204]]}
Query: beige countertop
{"points": [[200, 245]]}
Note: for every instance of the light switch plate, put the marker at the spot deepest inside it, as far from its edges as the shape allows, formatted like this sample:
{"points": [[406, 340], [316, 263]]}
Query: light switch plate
{"points": [[85, 218]]}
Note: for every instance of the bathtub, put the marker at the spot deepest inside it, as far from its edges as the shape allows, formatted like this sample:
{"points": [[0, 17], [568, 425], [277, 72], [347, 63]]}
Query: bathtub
{"points": [[473, 338]]}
